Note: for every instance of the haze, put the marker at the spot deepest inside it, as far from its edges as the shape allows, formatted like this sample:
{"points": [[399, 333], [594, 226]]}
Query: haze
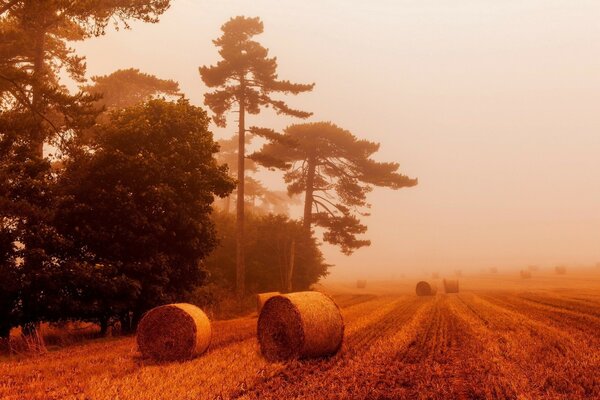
{"points": [[492, 105]]}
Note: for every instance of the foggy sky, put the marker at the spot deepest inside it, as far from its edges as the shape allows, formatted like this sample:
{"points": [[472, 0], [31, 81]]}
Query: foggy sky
{"points": [[492, 105]]}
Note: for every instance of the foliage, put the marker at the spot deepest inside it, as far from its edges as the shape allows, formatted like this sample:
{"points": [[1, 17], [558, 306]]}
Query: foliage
{"points": [[336, 172], [129, 87], [245, 76], [137, 208], [34, 50], [259, 199], [268, 246]]}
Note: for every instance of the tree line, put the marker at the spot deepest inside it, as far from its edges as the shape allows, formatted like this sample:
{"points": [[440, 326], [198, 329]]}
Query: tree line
{"points": [[107, 195]]}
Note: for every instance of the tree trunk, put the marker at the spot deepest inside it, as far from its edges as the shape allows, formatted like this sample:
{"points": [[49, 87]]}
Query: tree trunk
{"points": [[291, 267], [4, 338], [103, 326], [308, 198], [36, 97], [227, 204], [240, 262]]}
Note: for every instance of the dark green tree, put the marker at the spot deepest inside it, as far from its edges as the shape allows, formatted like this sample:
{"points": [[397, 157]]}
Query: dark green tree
{"points": [[335, 171], [129, 87], [247, 78], [137, 209], [270, 242], [34, 36]]}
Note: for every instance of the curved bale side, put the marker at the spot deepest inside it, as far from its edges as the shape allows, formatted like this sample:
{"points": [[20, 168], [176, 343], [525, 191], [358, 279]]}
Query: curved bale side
{"points": [[425, 289], [261, 299], [361, 284], [560, 270], [300, 325], [525, 274], [174, 332], [451, 285]]}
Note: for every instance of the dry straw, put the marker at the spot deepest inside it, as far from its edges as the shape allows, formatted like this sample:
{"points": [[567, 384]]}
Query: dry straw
{"points": [[451, 285], [174, 332], [262, 298], [426, 289], [300, 325], [361, 284]]}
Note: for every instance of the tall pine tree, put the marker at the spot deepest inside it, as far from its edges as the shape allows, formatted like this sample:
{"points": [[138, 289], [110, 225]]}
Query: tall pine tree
{"points": [[246, 77]]}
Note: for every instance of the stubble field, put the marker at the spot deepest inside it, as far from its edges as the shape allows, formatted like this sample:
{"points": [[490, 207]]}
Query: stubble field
{"points": [[500, 338]]}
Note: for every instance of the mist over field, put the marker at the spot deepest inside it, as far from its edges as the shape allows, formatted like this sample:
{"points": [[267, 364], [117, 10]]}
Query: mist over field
{"points": [[490, 105], [218, 200]]}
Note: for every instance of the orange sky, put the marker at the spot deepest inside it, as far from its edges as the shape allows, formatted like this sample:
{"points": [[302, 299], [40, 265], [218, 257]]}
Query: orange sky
{"points": [[492, 105]]}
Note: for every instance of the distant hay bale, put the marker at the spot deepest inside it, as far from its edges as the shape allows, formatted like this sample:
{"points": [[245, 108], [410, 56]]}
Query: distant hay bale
{"points": [[493, 270], [451, 285], [174, 332], [361, 283], [426, 289], [533, 268], [560, 269], [262, 298], [300, 325], [525, 274], [435, 275], [458, 273]]}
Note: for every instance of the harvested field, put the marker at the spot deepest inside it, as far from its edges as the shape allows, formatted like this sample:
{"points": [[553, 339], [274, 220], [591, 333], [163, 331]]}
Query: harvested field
{"points": [[521, 342]]}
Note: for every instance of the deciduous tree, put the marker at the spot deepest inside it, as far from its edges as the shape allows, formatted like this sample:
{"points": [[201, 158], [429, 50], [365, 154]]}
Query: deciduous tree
{"points": [[138, 207]]}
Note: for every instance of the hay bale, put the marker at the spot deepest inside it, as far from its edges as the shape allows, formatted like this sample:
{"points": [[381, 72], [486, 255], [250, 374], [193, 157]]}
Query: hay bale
{"points": [[361, 283], [525, 274], [451, 285], [174, 332], [262, 298], [300, 325], [426, 289], [560, 269]]}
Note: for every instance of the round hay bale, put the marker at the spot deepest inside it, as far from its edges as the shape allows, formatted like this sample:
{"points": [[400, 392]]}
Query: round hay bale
{"points": [[525, 274], [174, 332], [262, 298], [560, 270], [451, 285], [426, 289], [361, 284], [300, 325]]}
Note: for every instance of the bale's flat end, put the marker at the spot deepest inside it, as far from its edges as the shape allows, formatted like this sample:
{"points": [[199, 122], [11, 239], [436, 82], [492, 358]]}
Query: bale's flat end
{"points": [[173, 332], [300, 325], [425, 289]]}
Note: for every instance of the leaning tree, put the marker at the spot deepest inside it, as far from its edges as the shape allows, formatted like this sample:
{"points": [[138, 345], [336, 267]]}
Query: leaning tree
{"points": [[247, 78], [335, 171]]}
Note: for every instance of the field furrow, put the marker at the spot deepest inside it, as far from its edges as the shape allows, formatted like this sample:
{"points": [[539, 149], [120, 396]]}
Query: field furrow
{"points": [[535, 344], [301, 379], [544, 361]]}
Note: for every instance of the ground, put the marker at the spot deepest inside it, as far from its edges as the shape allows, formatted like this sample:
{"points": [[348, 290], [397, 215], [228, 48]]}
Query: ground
{"points": [[501, 337]]}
